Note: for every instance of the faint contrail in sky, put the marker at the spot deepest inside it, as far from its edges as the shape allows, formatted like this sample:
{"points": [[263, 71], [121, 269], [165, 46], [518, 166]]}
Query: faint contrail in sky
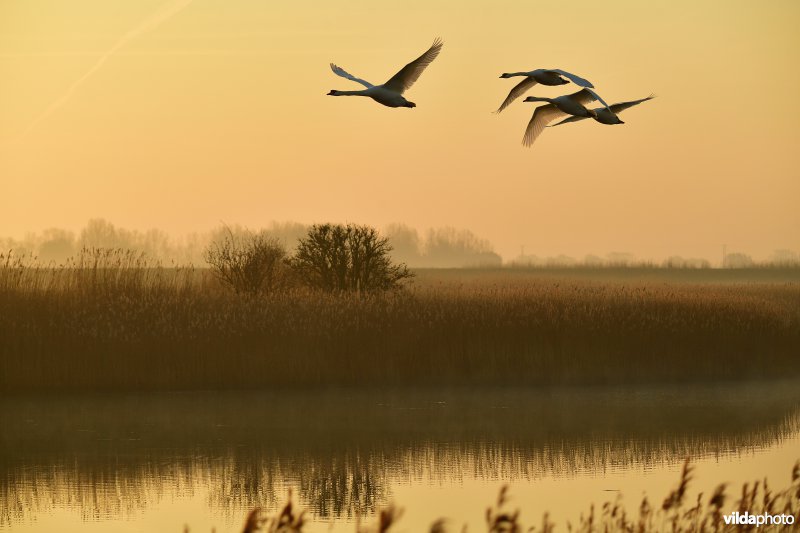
{"points": [[166, 12]]}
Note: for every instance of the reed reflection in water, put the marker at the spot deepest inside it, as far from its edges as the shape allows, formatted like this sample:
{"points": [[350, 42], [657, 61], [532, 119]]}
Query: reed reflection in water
{"points": [[115, 457]]}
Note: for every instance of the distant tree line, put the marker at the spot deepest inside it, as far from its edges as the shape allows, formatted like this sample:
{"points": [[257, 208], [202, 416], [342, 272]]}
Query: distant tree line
{"points": [[779, 259], [442, 247], [611, 260]]}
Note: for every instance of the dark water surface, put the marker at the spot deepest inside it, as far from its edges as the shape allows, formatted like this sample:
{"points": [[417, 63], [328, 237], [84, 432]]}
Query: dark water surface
{"points": [[156, 462]]}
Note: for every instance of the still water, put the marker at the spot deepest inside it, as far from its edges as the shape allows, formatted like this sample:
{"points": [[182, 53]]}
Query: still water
{"points": [[159, 462]]}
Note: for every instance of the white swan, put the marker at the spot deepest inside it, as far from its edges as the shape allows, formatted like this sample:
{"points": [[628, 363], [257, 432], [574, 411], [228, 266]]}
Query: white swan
{"points": [[545, 76], [570, 104], [607, 115], [390, 93]]}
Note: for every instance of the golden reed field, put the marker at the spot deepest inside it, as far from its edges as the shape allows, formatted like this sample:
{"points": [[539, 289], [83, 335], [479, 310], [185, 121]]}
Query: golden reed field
{"points": [[116, 321]]}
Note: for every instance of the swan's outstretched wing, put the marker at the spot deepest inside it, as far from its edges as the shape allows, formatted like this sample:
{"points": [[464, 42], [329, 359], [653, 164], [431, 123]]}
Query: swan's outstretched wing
{"points": [[577, 80], [518, 90], [404, 79], [568, 120], [622, 106], [542, 116], [615, 108], [586, 96], [339, 71]]}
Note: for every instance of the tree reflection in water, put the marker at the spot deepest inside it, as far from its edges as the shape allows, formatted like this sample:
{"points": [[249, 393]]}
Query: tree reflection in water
{"points": [[114, 456]]}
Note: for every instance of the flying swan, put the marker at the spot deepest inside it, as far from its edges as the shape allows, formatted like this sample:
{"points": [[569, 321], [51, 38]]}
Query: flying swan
{"points": [[570, 104], [607, 115], [390, 93], [545, 76]]}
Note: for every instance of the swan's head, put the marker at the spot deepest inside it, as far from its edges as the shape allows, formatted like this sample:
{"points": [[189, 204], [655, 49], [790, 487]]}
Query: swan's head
{"points": [[333, 92], [409, 104], [505, 75]]}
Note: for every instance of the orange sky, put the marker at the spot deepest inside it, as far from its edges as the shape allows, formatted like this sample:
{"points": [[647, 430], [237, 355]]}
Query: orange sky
{"points": [[220, 114]]}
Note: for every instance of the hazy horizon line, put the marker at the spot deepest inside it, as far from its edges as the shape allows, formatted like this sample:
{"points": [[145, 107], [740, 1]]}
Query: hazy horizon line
{"points": [[409, 241]]}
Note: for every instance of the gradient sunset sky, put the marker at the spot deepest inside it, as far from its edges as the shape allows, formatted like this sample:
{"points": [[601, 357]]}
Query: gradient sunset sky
{"points": [[217, 111]]}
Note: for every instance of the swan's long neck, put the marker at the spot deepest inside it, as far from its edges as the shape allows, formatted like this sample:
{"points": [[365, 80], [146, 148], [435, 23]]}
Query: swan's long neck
{"points": [[538, 99], [512, 74], [348, 93]]}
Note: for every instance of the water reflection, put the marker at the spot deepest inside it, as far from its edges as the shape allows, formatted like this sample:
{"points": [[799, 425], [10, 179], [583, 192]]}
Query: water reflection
{"points": [[113, 457]]}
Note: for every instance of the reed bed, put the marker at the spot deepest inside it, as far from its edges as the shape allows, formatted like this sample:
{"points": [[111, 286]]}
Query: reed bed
{"points": [[675, 514], [113, 320]]}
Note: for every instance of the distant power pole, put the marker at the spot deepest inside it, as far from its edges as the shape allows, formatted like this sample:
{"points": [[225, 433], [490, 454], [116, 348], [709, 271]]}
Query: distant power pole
{"points": [[724, 256]]}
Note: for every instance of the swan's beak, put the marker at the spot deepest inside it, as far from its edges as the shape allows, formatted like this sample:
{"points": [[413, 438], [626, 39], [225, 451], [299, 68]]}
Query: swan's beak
{"points": [[332, 93]]}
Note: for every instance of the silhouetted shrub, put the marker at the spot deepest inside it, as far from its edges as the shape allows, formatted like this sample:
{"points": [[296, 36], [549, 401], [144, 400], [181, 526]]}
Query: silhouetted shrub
{"points": [[248, 263], [336, 257]]}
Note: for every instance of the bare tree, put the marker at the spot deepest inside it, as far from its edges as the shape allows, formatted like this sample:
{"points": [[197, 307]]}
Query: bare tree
{"points": [[739, 260], [247, 262], [452, 248], [56, 245], [336, 257], [785, 258], [406, 244]]}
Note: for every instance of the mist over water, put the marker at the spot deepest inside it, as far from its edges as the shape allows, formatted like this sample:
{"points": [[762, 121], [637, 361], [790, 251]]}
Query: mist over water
{"points": [[116, 459]]}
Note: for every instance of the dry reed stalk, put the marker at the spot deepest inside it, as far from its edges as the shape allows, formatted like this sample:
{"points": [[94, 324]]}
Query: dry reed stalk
{"points": [[699, 518]]}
